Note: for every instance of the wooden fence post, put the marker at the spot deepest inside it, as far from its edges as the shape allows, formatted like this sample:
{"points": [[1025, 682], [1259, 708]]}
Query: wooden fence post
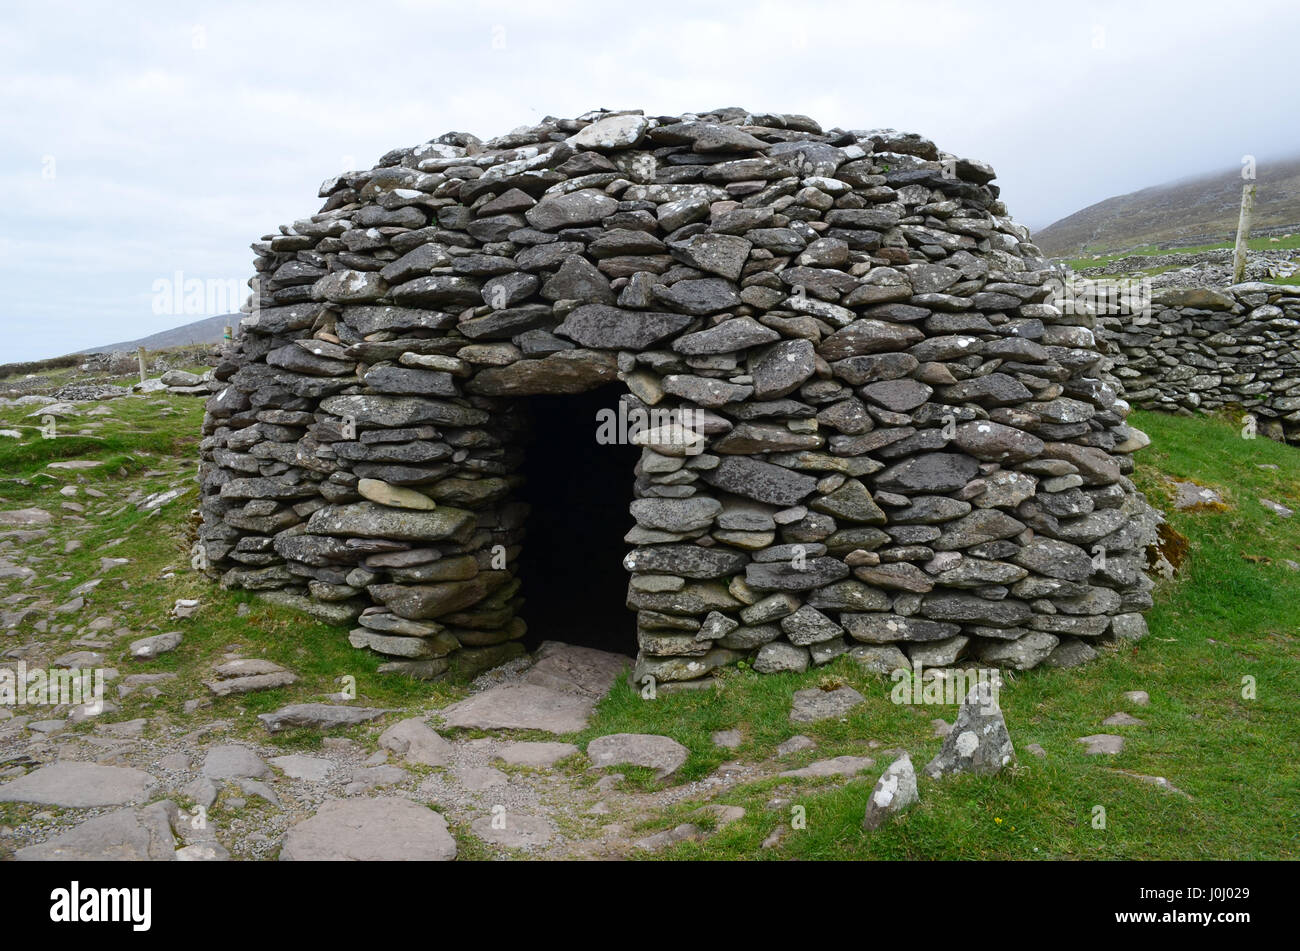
{"points": [[1243, 233]]}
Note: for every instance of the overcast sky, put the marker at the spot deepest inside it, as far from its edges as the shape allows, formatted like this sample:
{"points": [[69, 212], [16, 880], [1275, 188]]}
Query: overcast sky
{"points": [[142, 140]]}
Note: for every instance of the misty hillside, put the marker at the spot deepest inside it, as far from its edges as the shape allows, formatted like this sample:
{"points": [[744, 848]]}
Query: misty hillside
{"points": [[207, 330], [1200, 210]]}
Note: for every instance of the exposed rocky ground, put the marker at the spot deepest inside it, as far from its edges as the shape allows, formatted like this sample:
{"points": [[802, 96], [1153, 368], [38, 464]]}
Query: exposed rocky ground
{"points": [[1199, 268], [187, 760], [105, 375]]}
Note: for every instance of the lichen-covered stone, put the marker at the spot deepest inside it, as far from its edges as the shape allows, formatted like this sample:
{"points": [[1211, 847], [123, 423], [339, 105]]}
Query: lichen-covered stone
{"points": [[879, 431]]}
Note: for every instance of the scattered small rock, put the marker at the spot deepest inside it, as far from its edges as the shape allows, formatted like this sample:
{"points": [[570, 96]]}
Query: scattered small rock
{"points": [[661, 840], [147, 648], [1277, 508], [1122, 719], [231, 761], [661, 753], [837, 766], [513, 830], [317, 716], [1102, 744], [541, 755], [387, 829], [417, 742], [894, 792]]}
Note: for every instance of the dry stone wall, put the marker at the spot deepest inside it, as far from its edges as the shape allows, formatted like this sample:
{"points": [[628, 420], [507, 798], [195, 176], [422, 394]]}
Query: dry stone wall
{"points": [[1208, 348], [865, 430]]}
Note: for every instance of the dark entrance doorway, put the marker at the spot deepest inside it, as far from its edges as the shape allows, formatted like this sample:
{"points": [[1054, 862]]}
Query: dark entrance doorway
{"points": [[578, 491]]}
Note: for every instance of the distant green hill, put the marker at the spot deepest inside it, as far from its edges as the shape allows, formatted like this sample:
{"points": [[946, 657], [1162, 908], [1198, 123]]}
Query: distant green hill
{"points": [[1200, 210], [207, 330]]}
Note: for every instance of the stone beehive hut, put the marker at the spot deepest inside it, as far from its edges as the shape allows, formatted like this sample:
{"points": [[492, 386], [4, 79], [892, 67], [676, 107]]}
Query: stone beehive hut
{"points": [[859, 427]]}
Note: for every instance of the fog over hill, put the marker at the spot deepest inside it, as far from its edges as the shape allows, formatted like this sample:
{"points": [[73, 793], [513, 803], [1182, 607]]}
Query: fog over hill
{"points": [[207, 330], [1201, 210]]}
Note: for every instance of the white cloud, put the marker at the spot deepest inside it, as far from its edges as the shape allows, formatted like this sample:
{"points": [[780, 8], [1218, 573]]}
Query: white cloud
{"points": [[180, 135]]}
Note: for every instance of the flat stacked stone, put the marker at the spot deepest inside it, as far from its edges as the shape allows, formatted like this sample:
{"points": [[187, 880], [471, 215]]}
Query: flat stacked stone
{"points": [[865, 426], [1206, 348]]}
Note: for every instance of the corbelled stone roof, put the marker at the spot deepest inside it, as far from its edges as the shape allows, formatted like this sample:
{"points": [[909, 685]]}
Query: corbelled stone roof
{"points": [[863, 426]]}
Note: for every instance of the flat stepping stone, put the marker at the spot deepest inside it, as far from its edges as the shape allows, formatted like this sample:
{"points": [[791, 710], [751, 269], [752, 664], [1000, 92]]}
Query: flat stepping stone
{"points": [[10, 571], [685, 832], [1100, 744], [417, 742], [231, 761], [79, 786], [366, 778], [894, 792], [513, 830], [370, 830], [478, 778], [75, 464], [247, 676], [723, 815], [203, 852], [250, 667], [1122, 719], [521, 707], [727, 739], [147, 648], [795, 744], [159, 499], [581, 670], [253, 787], [1190, 497], [312, 769], [660, 753], [540, 755], [127, 835], [978, 741], [79, 659], [61, 408], [123, 727], [1159, 781], [24, 518], [1138, 698], [1276, 508], [837, 766], [816, 704], [317, 716]]}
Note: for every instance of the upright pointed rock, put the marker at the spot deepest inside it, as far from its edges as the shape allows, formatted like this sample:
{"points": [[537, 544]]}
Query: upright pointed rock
{"points": [[979, 741], [894, 792]]}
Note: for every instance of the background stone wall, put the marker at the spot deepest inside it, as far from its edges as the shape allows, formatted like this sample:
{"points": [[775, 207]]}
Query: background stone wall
{"points": [[1207, 348], [878, 436]]}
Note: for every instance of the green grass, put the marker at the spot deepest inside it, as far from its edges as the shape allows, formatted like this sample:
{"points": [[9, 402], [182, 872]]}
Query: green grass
{"points": [[150, 444], [1233, 612], [1224, 618], [1087, 259]]}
